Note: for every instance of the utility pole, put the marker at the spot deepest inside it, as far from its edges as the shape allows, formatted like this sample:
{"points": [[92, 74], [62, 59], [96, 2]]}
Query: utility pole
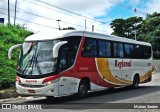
{"points": [[135, 37], [92, 28], [135, 32], [8, 13], [85, 24], [15, 12], [58, 23]]}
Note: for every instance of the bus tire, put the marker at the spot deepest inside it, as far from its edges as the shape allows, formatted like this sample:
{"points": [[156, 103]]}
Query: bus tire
{"points": [[82, 90], [135, 84]]}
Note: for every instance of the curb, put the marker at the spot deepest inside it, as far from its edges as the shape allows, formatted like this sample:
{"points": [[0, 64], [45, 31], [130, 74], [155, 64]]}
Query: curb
{"points": [[11, 99], [18, 98], [8, 94]]}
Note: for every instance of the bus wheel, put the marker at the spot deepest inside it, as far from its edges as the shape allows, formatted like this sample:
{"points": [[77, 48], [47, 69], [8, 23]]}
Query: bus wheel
{"points": [[135, 82], [82, 90]]}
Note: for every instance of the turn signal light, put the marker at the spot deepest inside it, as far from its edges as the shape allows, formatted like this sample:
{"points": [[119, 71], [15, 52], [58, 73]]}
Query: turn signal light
{"points": [[18, 80]]}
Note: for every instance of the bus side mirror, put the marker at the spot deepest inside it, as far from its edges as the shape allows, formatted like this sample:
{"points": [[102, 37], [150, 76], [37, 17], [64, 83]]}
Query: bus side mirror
{"points": [[56, 48], [11, 49]]}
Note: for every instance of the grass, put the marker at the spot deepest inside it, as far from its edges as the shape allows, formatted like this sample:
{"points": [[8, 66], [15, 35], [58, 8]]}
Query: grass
{"points": [[11, 89]]}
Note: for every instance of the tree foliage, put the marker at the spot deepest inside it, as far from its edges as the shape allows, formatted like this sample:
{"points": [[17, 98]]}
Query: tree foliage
{"points": [[118, 26], [10, 35], [126, 27], [147, 29], [69, 28]]}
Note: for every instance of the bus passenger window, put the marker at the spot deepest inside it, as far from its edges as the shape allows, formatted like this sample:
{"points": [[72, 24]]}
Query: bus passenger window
{"points": [[108, 49], [90, 48], [63, 61], [73, 44], [139, 52], [147, 52], [129, 51], [72, 54], [104, 48], [118, 50]]}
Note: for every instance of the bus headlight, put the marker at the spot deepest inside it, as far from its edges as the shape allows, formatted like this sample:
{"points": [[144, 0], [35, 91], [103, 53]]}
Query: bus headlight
{"points": [[18, 82], [48, 83]]}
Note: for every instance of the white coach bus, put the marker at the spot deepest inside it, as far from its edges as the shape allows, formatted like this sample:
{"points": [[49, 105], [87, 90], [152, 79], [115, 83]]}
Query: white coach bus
{"points": [[76, 62]]}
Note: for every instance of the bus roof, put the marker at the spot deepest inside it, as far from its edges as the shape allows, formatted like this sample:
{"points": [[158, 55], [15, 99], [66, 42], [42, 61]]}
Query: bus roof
{"points": [[41, 36], [67, 33]]}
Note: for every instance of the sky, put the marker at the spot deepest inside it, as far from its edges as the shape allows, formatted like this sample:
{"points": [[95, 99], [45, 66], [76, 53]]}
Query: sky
{"points": [[42, 15]]}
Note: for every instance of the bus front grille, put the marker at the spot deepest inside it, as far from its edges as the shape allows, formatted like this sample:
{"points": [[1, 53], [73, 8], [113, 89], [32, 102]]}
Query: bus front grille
{"points": [[31, 86]]}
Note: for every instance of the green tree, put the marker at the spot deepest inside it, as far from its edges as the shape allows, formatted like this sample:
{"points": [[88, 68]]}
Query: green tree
{"points": [[146, 30], [155, 14], [126, 27], [133, 26], [69, 28], [118, 25], [150, 30], [150, 24], [10, 35]]}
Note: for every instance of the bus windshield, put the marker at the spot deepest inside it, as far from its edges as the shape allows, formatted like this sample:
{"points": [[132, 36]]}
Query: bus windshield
{"points": [[36, 58]]}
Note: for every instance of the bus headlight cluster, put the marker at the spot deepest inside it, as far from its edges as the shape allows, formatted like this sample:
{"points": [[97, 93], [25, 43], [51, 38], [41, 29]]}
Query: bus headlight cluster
{"points": [[48, 83], [18, 82]]}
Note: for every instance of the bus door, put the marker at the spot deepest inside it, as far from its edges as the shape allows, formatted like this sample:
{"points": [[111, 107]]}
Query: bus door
{"points": [[67, 55], [64, 81]]}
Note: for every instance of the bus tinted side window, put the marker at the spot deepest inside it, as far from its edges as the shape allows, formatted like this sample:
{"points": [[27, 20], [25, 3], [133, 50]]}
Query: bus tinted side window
{"points": [[118, 50], [67, 52], [128, 50], [139, 52], [73, 44], [147, 52], [63, 59], [104, 48], [108, 49], [90, 48]]}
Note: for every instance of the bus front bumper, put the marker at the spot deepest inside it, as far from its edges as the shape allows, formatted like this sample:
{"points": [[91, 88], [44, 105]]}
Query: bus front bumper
{"points": [[39, 91]]}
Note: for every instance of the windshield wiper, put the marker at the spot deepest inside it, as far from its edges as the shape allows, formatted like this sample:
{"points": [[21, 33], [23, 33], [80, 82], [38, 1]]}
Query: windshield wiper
{"points": [[31, 60], [37, 65]]}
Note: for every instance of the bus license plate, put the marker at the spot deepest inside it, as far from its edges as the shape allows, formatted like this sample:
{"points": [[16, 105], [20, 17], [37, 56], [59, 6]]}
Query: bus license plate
{"points": [[31, 91]]}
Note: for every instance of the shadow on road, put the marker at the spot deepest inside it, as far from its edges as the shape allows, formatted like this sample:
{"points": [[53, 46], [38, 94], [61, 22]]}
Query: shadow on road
{"points": [[101, 96]]}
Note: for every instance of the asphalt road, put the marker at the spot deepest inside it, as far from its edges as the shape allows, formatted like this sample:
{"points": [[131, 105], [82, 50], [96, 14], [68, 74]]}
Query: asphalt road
{"points": [[114, 99]]}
